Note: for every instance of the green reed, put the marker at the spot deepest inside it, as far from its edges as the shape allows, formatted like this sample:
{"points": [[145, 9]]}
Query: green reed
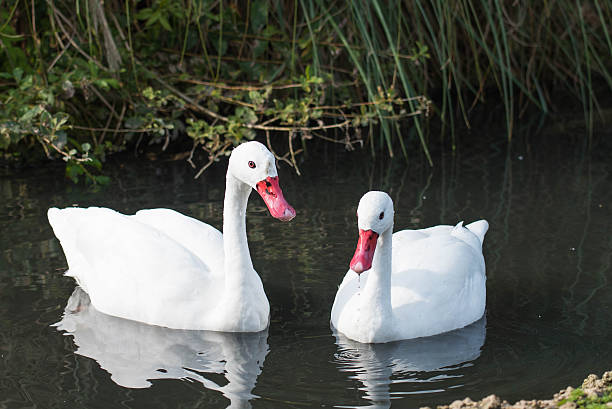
{"points": [[112, 74]]}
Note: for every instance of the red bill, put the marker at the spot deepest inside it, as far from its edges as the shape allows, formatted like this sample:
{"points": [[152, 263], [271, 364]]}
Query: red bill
{"points": [[271, 193], [362, 260]]}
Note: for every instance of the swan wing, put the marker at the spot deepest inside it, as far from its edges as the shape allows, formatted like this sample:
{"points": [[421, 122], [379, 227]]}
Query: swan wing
{"points": [[134, 271], [200, 238], [438, 280], [439, 248]]}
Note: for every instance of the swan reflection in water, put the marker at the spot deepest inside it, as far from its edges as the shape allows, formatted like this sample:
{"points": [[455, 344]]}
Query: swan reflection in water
{"points": [[134, 353], [424, 362]]}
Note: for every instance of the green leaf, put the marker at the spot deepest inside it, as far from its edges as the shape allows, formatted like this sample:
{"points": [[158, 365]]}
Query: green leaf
{"points": [[112, 82], [93, 69], [73, 171], [144, 14], [18, 74], [95, 163], [31, 113], [256, 98], [164, 22], [102, 84], [63, 118], [26, 83], [154, 17]]}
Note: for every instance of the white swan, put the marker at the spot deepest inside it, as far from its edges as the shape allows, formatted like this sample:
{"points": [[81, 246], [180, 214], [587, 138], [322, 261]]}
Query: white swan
{"points": [[419, 283], [135, 354], [163, 268]]}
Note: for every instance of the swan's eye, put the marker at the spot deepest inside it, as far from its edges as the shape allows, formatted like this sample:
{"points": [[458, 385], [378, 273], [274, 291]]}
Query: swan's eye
{"points": [[252, 164], [381, 215]]}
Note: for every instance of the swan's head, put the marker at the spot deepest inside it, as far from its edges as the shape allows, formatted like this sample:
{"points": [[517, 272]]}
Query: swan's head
{"points": [[253, 164], [374, 216]]}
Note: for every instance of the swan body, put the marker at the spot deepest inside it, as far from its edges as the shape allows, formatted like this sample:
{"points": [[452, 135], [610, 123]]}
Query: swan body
{"points": [[411, 284], [163, 268]]}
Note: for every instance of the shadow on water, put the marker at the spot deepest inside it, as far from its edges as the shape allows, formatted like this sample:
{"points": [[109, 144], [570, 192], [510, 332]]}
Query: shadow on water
{"points": [[548, 200], [134, 353]]}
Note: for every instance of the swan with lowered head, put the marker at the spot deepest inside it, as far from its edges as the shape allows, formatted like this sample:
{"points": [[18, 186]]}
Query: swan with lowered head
{"points": [[163, 268], [411, 284]]}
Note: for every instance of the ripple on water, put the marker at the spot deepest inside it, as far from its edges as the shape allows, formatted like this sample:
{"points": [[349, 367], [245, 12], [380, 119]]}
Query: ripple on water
{"points": [[418, 366], [548, 255]]}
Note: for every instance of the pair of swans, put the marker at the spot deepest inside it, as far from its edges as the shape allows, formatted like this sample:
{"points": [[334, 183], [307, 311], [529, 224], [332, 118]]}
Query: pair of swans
{"points": [[162, 268]]}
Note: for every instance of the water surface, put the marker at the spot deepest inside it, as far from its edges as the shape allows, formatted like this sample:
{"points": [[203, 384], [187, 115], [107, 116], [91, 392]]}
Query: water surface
{"points": [[547, 197]]}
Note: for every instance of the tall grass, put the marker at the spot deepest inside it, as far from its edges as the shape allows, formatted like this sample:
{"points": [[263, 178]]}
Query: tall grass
{"points": [[526, 54], [368, 63]]}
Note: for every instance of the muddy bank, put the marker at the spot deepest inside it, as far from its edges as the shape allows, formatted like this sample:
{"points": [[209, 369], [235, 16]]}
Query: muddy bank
{"points": [[594, 392]]}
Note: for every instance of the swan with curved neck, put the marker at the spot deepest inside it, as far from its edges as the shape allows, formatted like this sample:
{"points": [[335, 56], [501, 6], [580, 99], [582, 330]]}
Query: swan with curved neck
{"points": [[410, 284], [163, 268]]}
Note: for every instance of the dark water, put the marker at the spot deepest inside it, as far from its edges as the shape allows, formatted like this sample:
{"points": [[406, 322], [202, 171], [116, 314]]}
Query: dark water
{"points": [[548, 199]]}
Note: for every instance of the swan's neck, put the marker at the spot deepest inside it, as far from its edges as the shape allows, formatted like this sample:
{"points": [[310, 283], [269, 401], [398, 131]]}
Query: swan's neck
{"points": [[376, 293], [238, 265], [243, 305]]}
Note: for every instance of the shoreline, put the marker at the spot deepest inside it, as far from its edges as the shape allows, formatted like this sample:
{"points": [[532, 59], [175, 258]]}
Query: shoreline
{"points": [[594, 393]]}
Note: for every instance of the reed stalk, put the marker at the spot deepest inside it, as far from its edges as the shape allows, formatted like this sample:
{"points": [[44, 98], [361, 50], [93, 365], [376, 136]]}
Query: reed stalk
{"points": [[382, 62]]}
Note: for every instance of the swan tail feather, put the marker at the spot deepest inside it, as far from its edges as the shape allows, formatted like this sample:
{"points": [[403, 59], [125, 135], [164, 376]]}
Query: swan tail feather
{"points": [[479, 228], [458, 226]]}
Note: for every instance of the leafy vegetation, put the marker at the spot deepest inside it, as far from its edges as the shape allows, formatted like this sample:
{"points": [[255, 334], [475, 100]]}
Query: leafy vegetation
{"points": [[83, 79], [594, 401]]}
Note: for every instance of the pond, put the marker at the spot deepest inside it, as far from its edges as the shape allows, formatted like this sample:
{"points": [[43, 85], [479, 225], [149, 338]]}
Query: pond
{"points": [[547, 197]]}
